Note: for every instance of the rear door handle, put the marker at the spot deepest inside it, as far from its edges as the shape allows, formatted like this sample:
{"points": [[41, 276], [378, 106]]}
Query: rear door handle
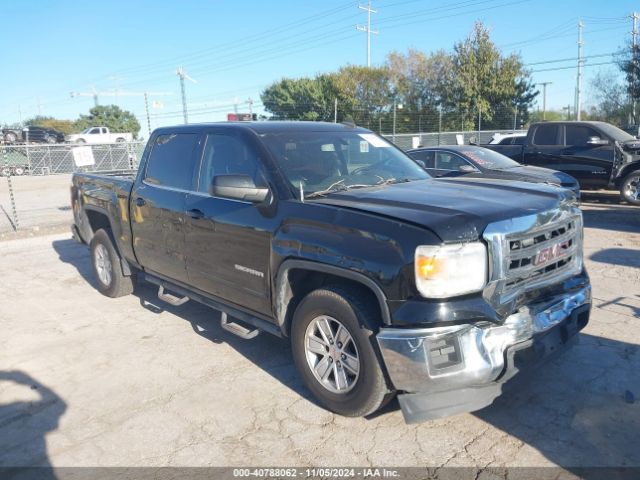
{"points": [[195, 213], [141, 202]]}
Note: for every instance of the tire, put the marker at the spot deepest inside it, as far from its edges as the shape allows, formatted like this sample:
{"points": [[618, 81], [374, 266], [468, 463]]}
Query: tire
{"points": [[105, 262], [50, 139], [10, 137], [630, 188], [81, 140], [18, 171], [120, 140], [363, 392], [5, 171]]}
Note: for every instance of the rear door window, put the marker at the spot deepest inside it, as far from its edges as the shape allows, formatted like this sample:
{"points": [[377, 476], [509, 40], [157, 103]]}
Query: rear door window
{"points": [[172, 161], [546, 135]]}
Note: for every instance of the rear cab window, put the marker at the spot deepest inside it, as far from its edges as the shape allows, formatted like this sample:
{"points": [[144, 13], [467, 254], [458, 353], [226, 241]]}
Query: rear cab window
{"points": [[547, 135]]}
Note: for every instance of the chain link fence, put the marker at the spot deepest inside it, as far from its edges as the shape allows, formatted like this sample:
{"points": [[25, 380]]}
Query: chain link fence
{"points": [[18, 160], [407, 141], [35, 191]]}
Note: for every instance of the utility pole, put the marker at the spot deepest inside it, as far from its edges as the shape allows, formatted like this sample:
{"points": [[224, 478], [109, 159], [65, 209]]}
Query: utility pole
{"points": [[579, 80], [367, 29], [634, 65], [250, 102], [182, 74], [544, 98], [146, 107], [335, 110]]}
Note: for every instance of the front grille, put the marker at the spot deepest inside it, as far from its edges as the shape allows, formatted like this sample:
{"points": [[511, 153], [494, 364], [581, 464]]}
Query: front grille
{"points": [[541, 253]]}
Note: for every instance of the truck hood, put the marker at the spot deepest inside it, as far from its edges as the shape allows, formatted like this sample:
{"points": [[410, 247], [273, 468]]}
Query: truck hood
{"points": [[454, 209]]}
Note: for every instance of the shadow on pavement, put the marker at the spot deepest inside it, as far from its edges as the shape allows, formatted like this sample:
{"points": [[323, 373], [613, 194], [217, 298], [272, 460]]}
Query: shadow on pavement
{"points": [[617, 218], [580, 410], [625, 257], [24, 424]]}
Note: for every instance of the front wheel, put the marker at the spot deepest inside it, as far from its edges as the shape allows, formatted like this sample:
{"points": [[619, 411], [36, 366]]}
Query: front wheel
{"points": [[630, 188], [18, 171], [334, 349], [106, 267]]}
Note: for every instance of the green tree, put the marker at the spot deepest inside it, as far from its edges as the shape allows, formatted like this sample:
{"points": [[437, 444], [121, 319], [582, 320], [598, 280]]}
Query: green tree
{"points": [[364, 94], [610, 99], [111, 116], [629, 64], [64, 126], [300, 99], [485, 81]]}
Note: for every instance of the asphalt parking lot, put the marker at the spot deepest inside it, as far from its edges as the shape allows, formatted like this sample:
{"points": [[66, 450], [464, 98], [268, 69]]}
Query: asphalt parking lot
{"points": [[90, 381]]}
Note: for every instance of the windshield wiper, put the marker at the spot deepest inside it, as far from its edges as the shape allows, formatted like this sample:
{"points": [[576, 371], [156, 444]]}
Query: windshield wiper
{"points": [[339, 186]]}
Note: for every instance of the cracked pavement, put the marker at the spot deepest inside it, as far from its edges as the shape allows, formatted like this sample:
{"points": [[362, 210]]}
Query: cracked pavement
{"points": [[90, 381]]}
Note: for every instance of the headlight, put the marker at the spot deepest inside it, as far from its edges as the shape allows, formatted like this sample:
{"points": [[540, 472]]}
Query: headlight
{"points": [[449, 270]]}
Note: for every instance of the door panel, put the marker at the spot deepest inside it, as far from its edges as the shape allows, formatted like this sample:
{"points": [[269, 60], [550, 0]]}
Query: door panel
{"points": [[546, 147], [229, 244], [158, 205], [157, 223], [590, 164], [229, 241]]}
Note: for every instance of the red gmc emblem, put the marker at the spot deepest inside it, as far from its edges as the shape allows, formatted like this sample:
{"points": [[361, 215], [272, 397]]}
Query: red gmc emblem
{"points": [[550, 253]]}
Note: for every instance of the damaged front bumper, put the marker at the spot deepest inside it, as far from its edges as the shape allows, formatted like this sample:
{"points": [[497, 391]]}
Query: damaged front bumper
{"points": [[448, 370]]}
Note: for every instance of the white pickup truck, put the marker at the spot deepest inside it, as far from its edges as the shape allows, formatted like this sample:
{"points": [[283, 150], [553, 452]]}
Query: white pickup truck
{"points": [[99, 135]]}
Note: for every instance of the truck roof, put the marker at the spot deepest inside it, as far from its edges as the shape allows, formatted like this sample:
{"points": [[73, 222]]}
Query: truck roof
{"points": [[268, 127]]}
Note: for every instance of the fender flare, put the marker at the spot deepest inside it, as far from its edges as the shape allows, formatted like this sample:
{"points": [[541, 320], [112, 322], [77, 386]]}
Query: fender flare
{"points": [[283, 294], [124, 264]]}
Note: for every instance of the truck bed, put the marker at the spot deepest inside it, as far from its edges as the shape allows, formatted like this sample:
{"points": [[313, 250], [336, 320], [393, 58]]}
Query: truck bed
{"points": [[105, 191]]}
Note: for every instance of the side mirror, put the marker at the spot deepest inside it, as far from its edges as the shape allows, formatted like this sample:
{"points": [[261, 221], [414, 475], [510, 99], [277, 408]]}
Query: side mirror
{"points": [[421, 163], [238, 187], [597, 141], [467, 169]]}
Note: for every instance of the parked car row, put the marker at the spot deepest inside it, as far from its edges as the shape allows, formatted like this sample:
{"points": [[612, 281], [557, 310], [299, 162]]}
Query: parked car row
{"points": [[384, 280], [597, 154], [32, 134], [36, 134]]}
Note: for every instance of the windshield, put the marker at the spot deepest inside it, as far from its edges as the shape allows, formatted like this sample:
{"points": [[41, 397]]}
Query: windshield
{"points": [[615, 132], [486, 158], [318, 163], [86, 130]]}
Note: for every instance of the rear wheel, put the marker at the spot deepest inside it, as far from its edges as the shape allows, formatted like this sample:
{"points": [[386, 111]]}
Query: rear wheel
{"points": [[18, 171], [81, 140], [335, 351], [106, 267], [630, 188], [120, 140], [50, 139], [5, 171], [10, 137]]}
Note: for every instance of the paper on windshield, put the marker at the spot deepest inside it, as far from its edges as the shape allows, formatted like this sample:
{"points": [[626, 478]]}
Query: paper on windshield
{"points": [[374, 140]]}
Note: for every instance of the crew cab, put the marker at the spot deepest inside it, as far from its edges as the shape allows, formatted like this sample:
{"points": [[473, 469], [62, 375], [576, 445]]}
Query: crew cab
{"points": [[99, 135], [597, 154], [384, 280]]}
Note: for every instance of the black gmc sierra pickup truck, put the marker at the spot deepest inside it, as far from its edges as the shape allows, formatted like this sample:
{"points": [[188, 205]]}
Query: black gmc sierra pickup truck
{"points": [[384, 280], [598, 154]]}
